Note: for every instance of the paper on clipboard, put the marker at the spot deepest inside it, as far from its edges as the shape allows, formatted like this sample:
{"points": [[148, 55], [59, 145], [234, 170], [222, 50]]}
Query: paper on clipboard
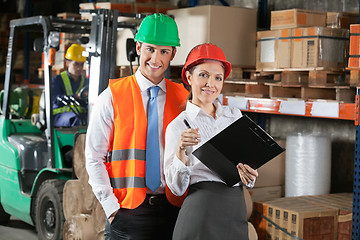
{"points": [[243, 141]]}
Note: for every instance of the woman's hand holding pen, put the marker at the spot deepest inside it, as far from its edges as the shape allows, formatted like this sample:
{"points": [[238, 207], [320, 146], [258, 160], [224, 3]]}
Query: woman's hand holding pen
{"points": [[188, 137], [247, 174]]}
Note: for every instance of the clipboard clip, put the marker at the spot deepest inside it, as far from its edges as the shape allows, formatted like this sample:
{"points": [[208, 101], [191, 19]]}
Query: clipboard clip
{"points": [[262, 135]]}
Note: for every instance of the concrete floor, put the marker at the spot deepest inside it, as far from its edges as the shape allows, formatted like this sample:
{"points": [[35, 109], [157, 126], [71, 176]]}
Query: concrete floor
{"points": [[17, 230]]}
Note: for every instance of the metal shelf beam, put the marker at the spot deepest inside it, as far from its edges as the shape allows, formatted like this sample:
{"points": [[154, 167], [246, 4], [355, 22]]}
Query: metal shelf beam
{"points": [[272, 106]]}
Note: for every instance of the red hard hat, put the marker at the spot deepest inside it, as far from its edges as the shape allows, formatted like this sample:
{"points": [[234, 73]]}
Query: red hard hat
{"points": [[206, 51]]}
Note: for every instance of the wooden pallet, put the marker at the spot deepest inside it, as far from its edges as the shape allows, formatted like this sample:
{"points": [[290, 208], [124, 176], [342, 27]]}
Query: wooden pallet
{"points": [[337, 93], [328, 78], [245, 88], [308, 76], [239, 73]]}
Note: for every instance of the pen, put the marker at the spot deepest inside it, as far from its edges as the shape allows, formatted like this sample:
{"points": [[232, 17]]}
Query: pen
{"points": [[187, 124]]}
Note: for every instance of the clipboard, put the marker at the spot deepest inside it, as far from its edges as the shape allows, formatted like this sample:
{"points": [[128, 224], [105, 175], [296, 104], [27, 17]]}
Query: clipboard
{"points": [[242, 141]]}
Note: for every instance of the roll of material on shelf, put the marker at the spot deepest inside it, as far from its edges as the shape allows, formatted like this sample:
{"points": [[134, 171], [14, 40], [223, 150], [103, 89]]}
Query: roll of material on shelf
{"points": [[308, 164]]}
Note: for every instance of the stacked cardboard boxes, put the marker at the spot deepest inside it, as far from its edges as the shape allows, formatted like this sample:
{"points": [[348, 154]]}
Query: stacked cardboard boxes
{"points": [[270, 183], [300, 40], [307, 217], [233, 29]]}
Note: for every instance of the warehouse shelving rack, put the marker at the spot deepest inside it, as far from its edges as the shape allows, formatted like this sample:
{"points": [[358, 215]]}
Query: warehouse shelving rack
{"points": [[347, 111]]}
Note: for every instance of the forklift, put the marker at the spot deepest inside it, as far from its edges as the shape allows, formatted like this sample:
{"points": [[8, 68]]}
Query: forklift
{"points": [[36, 157]]}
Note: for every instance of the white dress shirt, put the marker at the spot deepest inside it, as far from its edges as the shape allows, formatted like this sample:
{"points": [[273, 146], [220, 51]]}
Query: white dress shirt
{"points": [[178, 175], [101, 130]]}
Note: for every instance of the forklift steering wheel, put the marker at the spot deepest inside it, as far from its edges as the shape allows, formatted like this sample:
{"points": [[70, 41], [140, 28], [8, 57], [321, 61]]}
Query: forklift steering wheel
{"points": [[83, 94]]}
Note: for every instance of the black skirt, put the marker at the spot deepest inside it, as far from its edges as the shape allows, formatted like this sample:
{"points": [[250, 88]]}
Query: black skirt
{"points": [[212, 211]]}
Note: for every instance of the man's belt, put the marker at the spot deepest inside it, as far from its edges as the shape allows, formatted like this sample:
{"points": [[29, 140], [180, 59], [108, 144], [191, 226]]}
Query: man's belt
{"points": [[156, 200]]}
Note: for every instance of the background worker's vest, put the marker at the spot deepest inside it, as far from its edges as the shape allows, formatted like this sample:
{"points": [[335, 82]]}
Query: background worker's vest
{"points": [[69, 92], [126, 158]]}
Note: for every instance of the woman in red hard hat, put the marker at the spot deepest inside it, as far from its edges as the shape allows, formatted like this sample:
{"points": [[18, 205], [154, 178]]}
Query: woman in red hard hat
{"points": [[211, 210]]}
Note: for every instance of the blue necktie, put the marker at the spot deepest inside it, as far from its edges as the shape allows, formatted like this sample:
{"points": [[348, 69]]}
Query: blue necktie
{"points": [[152, 143]]}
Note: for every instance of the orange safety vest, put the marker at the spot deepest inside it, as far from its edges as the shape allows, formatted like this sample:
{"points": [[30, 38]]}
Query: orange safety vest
{"points": [[126, 158]]}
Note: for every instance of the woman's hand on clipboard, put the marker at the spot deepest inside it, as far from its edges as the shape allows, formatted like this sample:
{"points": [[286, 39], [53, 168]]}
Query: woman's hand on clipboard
{"points": [[247, 174]]}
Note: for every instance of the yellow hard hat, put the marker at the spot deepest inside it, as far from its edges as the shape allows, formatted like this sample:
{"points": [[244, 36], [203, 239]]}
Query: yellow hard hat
{"points": [[74, 53]]}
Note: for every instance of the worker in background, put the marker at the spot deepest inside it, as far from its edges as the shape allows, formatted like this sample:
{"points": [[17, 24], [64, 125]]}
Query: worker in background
{"points": [[125, 138], [66, 90], [211, 210]]}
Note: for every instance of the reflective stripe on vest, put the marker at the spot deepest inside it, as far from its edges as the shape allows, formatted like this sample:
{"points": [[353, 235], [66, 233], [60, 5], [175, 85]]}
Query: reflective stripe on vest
{"points": [[69, 92], [126, 160], [67, 84]]}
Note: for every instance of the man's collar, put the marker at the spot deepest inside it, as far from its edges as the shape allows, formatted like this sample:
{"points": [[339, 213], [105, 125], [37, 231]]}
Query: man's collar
{"points": [[145, 83]]}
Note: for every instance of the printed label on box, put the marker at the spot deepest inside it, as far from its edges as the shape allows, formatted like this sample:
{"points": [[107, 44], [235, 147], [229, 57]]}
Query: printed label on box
{"points": [[267, 51]]}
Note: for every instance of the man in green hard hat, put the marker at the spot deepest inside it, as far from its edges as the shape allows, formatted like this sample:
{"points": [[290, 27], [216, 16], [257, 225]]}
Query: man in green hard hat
{"points": [[125, 139]]}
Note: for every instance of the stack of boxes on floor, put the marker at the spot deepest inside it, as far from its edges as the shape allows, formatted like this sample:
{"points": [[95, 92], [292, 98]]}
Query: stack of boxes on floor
{"points": [[305, 217], [270, 183]]}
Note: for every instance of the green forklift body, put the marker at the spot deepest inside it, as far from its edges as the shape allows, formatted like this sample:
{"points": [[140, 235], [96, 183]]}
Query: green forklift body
{"points": [[15, 197]]}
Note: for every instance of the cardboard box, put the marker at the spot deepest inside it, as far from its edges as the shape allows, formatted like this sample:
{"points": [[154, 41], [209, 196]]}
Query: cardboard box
{"points": [[319, 47], [233, 29], [341, 19], [293, 18], [263, 194], [273, 172], [307, 217], [121, 7], [344, 203], [354, 55], [313, 47], [69, 15], [153, 7], [87, 6], [273, 49]]}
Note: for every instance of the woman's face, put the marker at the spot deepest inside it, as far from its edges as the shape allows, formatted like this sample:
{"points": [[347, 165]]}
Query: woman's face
{"points": [[206, 82]]}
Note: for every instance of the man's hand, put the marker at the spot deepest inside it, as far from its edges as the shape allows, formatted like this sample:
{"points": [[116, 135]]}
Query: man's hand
{"points": [[112, 216]]}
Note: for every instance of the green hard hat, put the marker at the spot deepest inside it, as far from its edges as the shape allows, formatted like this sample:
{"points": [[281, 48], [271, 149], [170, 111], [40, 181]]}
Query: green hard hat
{"points": [[158, 29]]}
